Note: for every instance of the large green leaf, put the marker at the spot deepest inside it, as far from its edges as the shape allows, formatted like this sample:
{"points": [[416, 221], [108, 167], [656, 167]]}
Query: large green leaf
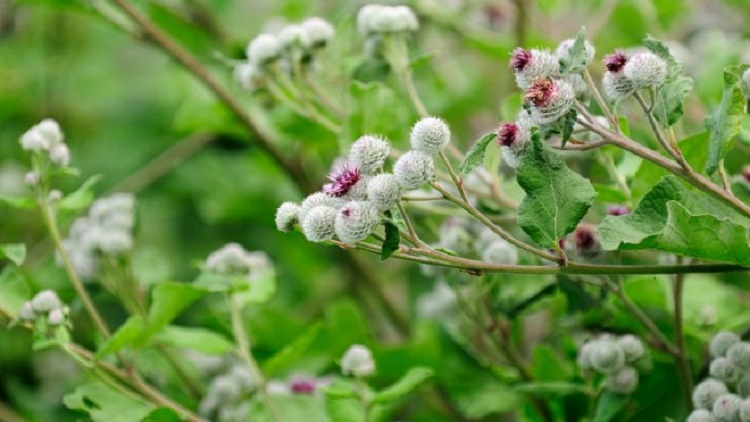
{"points": [[103, 404], [342, 402], [15, 252], [194, 338], [726, 120], [475, 156], [575, 61], [671, 218], [668, 108], [556, 197]]}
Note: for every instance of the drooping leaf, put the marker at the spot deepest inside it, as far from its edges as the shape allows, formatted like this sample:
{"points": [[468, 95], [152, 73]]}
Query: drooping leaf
{"points": [[81, 197], [342, 402], [128, 334], [672, 219], [194, 338], [20, 202], [576, 59], [609, 405], [286, 357], [392, 240], [550, 388], [556, 197], [104, 404], [726, 120], [13, 290], [475, 156], [403, 387], [15, 252], [568, 123], [668, 107]]}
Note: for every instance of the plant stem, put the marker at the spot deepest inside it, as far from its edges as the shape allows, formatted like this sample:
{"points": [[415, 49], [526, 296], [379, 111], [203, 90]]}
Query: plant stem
{"points": [[724, 178], [454, 177], [683, 359], [413, 238], [600, 100], [243, 350]]}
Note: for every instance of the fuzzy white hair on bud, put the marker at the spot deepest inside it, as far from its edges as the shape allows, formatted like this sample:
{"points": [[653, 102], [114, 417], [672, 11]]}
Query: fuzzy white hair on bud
{"points": [[383, 191], [727, 407], [617, 86], [45, 301], [319, 224], [319, 31], [533, 65], [248, 76], [722, 342], [706, 393], [578, 83], [263, 49], [701, 415], [724, 370], [286, 216], [430, 135], [31, 178], [293, 36], [386, 19], [355, 221], [645, 70], [358, 361], [563, 50], [744, 410], [550, 100], [317, 199], [607, 356], [26, 312], [739, 355], [514, 138], [365, 16], [369, 153], [414, 169], [632, 346], [59, 155], [233, 260], [624, 381], [56, 316]]}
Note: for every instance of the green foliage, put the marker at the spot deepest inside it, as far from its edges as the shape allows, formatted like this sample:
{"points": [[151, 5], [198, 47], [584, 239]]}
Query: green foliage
{"points": [[576, 60], [609, 405], [15, 252], [475, 156], [556, 197], [726, 120], [81, 197], [103, 404], [668, 107], [392, 239]]}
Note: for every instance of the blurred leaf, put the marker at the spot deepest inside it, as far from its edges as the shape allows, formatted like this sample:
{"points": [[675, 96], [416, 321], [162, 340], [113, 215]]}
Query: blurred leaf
{"points": [[128, 334], [162, 414], [21, 202], [546, 365], [726, 120], [551, 388], [372, 71], [568, 123], [193, 338], [403, 387], [668, 108], [609, 194], [342, 403], [13, 291], [556, 197], [422, 60], [375, 108], [392, 240], [15, 252], [672, 219], [257, 291], [81, 197], [103, 404], [575, 61], [475, 156], [609, 406], [292, 352]]}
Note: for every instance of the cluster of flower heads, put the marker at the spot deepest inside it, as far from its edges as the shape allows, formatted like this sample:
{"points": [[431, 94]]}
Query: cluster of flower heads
{"points": [[106, 230], [617, 358], [377, 19], [725, 395], [358, 362], [349, 206], [548, 93], [293, 42], [44, 304], [626, 75], [47, 140], [232, 260]]}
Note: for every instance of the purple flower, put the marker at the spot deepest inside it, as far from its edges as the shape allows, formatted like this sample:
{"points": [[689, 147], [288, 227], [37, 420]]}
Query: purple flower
{"points": [[302, 386], [342, 180], [617, 210], [506, 134], [746, 173], [521, 58], [615, 61], [541, 93]]}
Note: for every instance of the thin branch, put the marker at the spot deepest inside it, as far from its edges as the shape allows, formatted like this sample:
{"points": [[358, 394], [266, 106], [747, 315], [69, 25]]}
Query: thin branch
{"points": [[600, 100], [683, 359]]}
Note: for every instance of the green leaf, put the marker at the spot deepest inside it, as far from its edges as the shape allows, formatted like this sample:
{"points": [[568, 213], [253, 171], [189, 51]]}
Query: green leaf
{"points": [[292, 352], [128, 334], [15, 252], [22, 202], [672, 219], [81, 197], [104, 404], [726, 120], [193, 338], [568, 124], [668, 108], [475, 156], [550, 388], [392, 240], [609, 406], [403, 387], [259, 290], [13, 290], [576, 60], [556, 197], [342, 403]]}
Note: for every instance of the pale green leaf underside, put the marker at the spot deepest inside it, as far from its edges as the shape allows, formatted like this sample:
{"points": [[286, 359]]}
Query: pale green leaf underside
{"points": [[726, 120]]}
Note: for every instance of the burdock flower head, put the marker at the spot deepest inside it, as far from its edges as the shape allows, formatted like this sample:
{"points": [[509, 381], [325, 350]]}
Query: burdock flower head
{"points": [[550, 99], [563, 50], [355, 221], [533, 65], [513, 138], [343, 180], [645, 70], [617, 86]]}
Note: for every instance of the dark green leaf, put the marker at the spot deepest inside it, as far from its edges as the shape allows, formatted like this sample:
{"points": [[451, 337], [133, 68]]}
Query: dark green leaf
{"points": [[475, 156], [342, 402], [15, 252], [22, 202], [556, 197], [81, 197], [576, 60], [286, 357], [392, 240], [403, 387], [128, 334], [568, 124], [194, 338], [668, 108], [550, 388], [726, 120], [609, 406], [104, 404]]}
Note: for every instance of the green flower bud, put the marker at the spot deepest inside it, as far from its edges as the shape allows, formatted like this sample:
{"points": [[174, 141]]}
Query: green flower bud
{"points": [[706, 393], [607, 357], [632, 346], [319, 223], [624, 381], [355, 221], [726, 408], [430, 135], [383, 190], [414, 169], [287, 216], [722, 342]]}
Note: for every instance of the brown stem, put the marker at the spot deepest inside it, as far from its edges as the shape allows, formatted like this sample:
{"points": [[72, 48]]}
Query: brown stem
{"points": [[682, 359]]}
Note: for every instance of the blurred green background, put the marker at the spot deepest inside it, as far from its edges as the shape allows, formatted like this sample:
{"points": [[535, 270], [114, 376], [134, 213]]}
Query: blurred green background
{"points": [[122, 103]]}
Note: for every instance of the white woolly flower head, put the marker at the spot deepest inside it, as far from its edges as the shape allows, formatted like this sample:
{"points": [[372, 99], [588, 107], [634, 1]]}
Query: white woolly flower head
{"points": [[617, 87], [645, 70], [632, 346], [386, 19], [430, 135], [355, 221], [317, 199], [45, 301], [26, 312], [739, 355], [414, 169], [701, 415], [514, 138], [724, 370], [533, 65], [233, 260], [607, 356], [287, 215], [500, 252], [358, 361], [722, 342], [319, 224], [365, 16], [623, 381], [319, 31], [42, 136], [369, 153], [293, 36], [56, 316], [59, 155], [549, 99], [706, 393], [383, 191], [563, 51], [263, 49], [31, 178], [249, 76], [727, 407]]}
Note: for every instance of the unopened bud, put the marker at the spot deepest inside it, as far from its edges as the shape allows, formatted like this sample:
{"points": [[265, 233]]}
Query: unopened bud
{"points": [[59, 155], [26, 312], [722, 342], [430, 135], [355, 221], [645, 70], [263, 49], [607, 357], [549, 99], [739, 354], [369, 153], [726, 408], [632, 346], [706, 393], [624, 381], [358, 361], [31, 178], [414, 169], [56, 316], [383, 190], [319, 31], [286, 216], [533, 65], [319, 223], [45, 301], [701, 415], [724, 370]]}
